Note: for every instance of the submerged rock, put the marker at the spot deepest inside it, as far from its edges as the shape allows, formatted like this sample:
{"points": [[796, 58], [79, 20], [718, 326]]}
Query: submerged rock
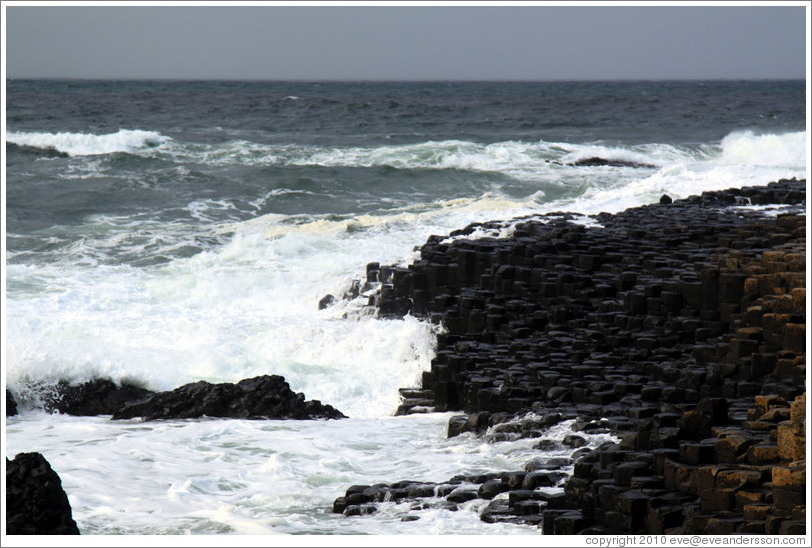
{"points": [[36, 504], [597, 161], [27, 152], [264, 397]]}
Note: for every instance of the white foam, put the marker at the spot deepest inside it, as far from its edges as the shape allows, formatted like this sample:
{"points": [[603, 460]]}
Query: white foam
{"points": [[263, 477], [246, 304], [742, 159], [652, 154], [87, 144], [534, 162], [246, 308], [539, 161], [772, 210], [788, 150]]}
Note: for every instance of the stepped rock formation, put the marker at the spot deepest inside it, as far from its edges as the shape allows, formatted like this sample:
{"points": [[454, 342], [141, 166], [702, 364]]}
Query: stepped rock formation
{"points": [[679, 326]]}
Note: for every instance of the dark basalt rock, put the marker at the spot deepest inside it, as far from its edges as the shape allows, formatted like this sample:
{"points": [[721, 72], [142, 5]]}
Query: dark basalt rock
{"points": [[95, 397], [497, 511], [461, 494], [30, 152], [597, 162], [491, 488], [574, 441], [326, 302], [36, 504], [660, 326], [264, 397], [11, 404]]}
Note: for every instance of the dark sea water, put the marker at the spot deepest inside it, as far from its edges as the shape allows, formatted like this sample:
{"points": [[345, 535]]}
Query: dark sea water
{"points": [[168, 232]]}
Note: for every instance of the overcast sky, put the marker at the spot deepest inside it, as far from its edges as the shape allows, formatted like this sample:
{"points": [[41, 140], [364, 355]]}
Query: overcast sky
{"points": [[411, 42]]}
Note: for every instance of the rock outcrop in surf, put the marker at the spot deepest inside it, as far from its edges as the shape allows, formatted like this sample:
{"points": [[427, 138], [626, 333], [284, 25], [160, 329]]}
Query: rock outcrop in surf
{"points": [[263, 397], [36, 504]]}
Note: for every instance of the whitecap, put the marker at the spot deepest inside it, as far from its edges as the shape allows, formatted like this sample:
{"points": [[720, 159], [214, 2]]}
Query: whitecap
{"points": [[88, 144]]}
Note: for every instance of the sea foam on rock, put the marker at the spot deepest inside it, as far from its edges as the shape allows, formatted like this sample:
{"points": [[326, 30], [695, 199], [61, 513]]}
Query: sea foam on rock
{"points": [[679, 327]]}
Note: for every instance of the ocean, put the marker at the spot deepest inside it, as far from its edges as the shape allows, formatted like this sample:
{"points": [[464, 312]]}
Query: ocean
{"points": [[167, 232]]}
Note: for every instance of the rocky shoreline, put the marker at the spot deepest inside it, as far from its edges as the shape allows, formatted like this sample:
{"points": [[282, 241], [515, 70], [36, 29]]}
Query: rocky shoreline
{"points": [[679, 327], [36, 504]]}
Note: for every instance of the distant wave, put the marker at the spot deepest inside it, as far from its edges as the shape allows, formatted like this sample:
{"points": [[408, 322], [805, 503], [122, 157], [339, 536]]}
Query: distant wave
{"points": [[513, 158], [524, 160], [88, 144], [516, 159]]}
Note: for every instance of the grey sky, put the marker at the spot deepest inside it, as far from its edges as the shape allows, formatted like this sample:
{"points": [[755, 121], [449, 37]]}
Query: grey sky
{"points": [[411, 42]]}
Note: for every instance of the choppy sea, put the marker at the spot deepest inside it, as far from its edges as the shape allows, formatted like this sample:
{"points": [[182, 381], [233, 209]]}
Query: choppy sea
{"points": [[169, 232]]}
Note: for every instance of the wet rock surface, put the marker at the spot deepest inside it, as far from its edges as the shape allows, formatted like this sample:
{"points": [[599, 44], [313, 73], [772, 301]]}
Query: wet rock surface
{"points": [[264, 397], [36, 504], [596, 161], [95, 397], [510, 500], [679, 327], [11, 404]]}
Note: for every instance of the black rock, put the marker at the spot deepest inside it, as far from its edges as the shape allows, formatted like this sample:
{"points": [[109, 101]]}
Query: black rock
{"points": [[264, 397], [538, 463], [534, 480], [326, 301], [644, 327], [359, 510], [698, 423], [456, 425], [547, 445], [339, 505], [596, 161], [571, 440], [419, 490], [31, 153], [358, 499], [11, 404], [36, 504], [497, 511], [95, 397], [514, 479], [461, 494], [491, 488]]}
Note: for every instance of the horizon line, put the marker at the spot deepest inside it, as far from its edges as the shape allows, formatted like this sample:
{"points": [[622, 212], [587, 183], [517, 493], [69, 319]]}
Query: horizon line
{"points": [[399, 80]]}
